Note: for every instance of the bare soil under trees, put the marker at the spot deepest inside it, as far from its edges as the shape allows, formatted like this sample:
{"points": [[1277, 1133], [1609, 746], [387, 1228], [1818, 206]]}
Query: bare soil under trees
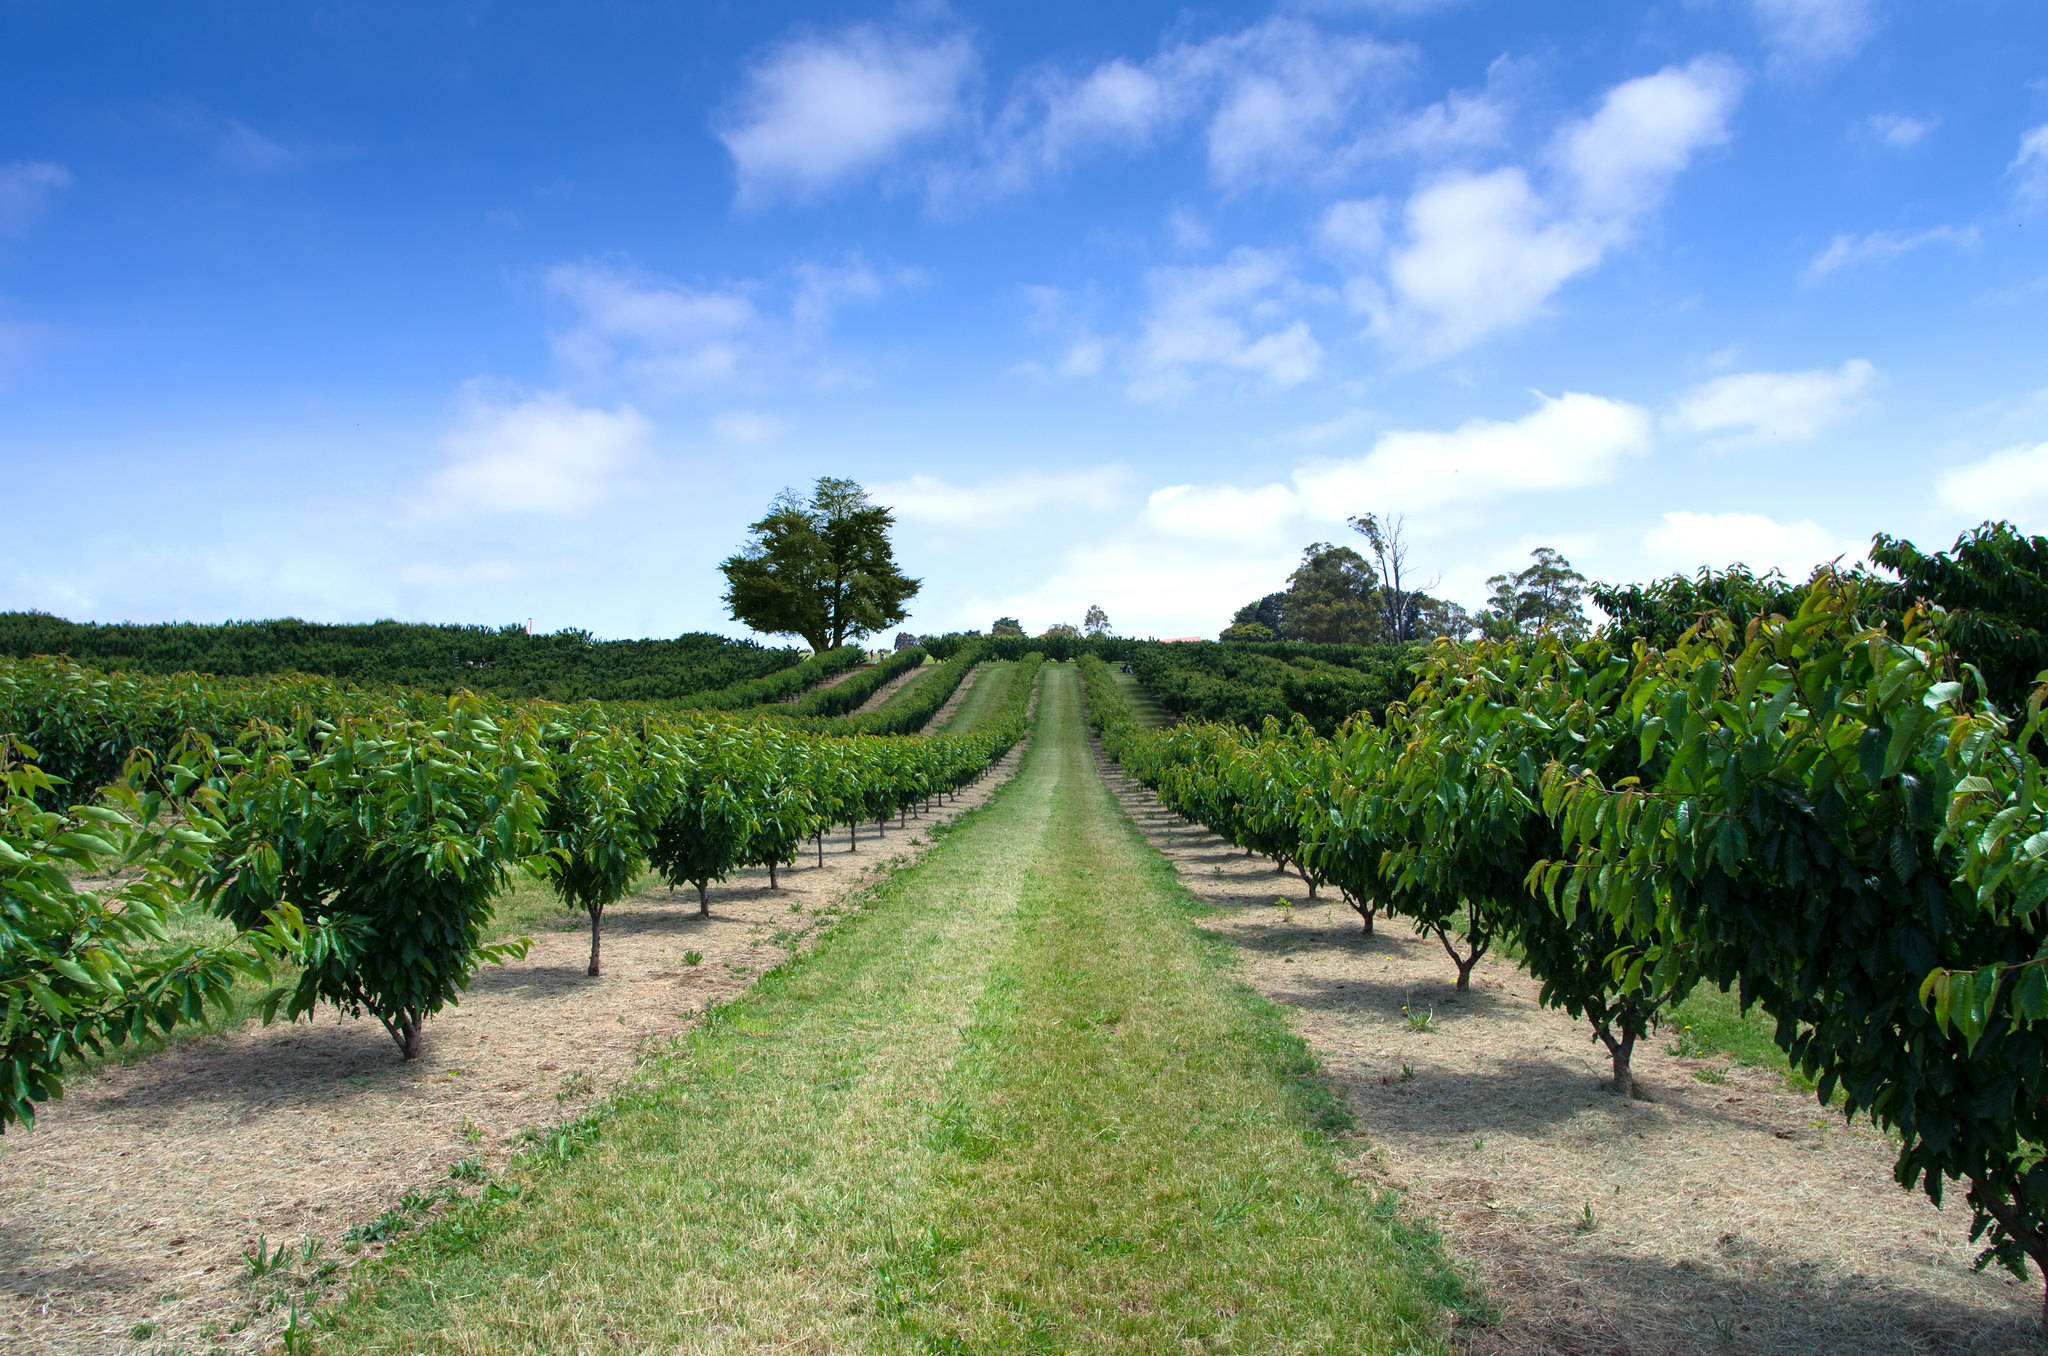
{"points": [[1733, 1216], [126, 1212]]}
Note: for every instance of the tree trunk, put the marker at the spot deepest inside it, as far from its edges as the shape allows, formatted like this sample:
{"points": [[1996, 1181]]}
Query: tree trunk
{"points": [[596, 918], [821, 848], [773, 884], [853, 835], [703, 899], [1364, 911], [902, 817], [1621, 1050], [409, 1035], [1279, 865], [1463, 962]]}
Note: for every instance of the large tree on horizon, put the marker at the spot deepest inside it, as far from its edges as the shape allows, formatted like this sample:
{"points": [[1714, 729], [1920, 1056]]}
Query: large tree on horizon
{"points": [[819, 567]]}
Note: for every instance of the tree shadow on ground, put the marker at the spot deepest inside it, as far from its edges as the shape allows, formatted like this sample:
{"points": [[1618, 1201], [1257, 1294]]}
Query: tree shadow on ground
{"points": [[1561, 1289]]}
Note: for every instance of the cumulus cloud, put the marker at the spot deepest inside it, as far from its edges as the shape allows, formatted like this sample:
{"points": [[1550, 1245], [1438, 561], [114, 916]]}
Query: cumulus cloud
{"points": [[1225, 319], [1809, 33], [1223, 514], [1898, 131], [2012, 484], [1480, 253], [1570, 441], [1881, 247], [818, 111], [1772, 407], [537, 454], [26, 188], [2029, 169], [1684, 541], [940, 503]]}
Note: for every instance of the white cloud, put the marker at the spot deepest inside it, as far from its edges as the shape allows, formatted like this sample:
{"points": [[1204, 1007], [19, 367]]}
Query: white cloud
{"points": [[1272, 101], [26, 187], [665, 336], [746, 427], [1084, 358], [2010, 484], [1772, 407], [1810, 33], [1223, 515], [1620, 162], [1898, 131], [533, 454], [2029, 169], [1357, 227], [1881, 247], [1202, 322], [818, 111], [1570, 441], [1286, 90], [1196, 551], [1483, 253], [928, 499], [1685, 541], [657, 332]]}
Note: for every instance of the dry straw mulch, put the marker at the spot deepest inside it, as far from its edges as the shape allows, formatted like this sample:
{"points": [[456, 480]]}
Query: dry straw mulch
{"points": [[1738, 1217], [126, 1211]]}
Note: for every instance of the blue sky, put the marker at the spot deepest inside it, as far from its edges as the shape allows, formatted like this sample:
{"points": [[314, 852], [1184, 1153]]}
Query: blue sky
{"points": [[484, 312]]}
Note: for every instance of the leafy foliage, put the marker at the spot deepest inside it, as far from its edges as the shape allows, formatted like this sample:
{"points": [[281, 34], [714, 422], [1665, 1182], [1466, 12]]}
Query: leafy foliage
{"points": [[1546, 595], [85, 957], [821, 568], [503, 661], [393, 833]]}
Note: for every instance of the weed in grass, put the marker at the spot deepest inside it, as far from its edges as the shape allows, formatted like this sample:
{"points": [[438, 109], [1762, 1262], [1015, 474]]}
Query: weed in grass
{"points": [[1586, 1223], [1423, 1022], [467, 1170], [693, 958], [382, 1229], [1689, 1045], [141, 1331], [471, 1131], [1407, 1072], [578, 1084], [261, 1261], [1715, 1076]]}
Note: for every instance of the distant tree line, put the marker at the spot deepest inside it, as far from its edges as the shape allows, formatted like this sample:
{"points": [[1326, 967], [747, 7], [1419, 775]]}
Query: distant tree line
{"points": [[502, 661]]}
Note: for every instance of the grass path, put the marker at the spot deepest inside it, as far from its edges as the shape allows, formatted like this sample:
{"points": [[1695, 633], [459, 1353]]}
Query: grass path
{"points": [[1011, 1105], [986, 689]]}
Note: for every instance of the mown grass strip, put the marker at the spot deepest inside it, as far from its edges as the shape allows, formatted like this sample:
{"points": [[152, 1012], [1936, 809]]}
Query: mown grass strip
{"points": [[991, 686], [1010, 1105]]}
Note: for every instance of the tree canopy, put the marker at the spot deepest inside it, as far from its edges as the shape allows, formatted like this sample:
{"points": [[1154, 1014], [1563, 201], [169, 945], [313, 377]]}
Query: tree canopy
{"points": [[1546, 595], [819, 567]]}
